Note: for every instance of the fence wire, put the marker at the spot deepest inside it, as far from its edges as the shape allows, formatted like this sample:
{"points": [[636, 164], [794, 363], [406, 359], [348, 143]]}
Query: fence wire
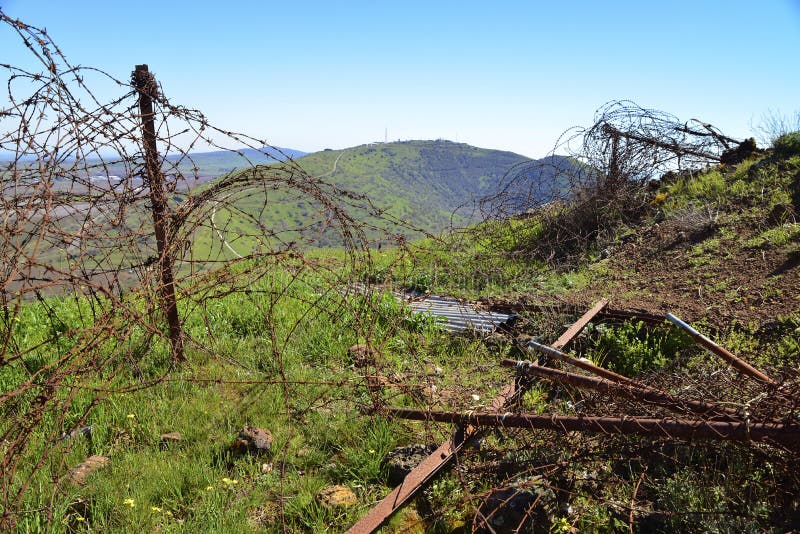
{"points": [[80, 259]]}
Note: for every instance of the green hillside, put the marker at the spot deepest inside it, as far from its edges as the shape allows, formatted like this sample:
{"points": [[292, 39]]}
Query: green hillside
{"points": [[422, 182], [420, 187]]}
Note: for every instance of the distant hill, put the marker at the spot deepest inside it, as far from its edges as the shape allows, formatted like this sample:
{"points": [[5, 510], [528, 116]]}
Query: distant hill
{"points": [[221, 162], [209, 164], [430, 185], [422, 182]]}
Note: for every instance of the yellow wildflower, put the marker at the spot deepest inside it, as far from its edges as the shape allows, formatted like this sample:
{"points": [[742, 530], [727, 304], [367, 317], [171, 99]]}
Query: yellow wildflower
{"points": [[229, 481], [155, 508], [131, 416], [130, 502]]}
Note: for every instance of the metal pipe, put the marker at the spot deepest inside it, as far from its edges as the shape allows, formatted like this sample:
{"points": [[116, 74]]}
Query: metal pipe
{"points": [[583, 363], [647, 394], [736, 362], [786, 435]]}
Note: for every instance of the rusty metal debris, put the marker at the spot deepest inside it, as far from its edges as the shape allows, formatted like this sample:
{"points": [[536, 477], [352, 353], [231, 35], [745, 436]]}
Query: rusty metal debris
{"points": [[457, 316], [581, 363], [736, 362], [723, 423], [783, 434], [580, 324], [428, 468], [446, 452], [641, 392]]}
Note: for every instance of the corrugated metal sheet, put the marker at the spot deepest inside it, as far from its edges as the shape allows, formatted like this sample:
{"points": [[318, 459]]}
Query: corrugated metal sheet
{"points": [[456, 316]]}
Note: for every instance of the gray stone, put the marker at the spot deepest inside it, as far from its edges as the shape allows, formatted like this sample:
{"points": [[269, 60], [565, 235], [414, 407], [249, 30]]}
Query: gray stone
{"points": [[403, 459], [253, 441]]}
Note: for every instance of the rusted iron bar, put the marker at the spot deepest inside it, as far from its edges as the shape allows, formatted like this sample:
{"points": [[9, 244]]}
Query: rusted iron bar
{"points": [[786, 435], [606, 314], [145, 84], [573, 331], [438, 460], [581, 363], [735, 362], [646, 394]]}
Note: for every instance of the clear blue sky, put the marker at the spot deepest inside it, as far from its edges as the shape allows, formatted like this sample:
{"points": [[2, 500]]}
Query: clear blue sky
{"points": [[510, 75]]}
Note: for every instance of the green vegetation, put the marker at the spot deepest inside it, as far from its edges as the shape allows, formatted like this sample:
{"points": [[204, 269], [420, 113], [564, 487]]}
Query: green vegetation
{"points": [[787, 145], [420, 183], [270, 346]]}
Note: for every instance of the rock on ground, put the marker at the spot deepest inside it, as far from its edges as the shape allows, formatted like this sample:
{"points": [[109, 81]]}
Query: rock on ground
{"points": [[333, 496], [81, 472], [403, 459], [253, 441]]}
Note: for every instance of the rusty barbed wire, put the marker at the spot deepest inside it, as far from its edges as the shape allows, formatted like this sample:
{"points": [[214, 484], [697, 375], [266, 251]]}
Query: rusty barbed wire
{"points": [[597, 178], [85, 189]]}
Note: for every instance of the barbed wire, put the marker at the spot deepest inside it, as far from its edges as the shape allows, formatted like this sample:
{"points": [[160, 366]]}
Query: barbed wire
{"points": [[80, 224]]}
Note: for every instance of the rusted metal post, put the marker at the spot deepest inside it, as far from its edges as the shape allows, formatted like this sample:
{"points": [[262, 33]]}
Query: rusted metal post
{"points": [[145, 83], [646, 394], [735, 362], [786, 435]]}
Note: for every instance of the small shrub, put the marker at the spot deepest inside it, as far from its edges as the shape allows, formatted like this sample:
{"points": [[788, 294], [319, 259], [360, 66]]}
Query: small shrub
{"points": [[787, 145], [634, 348]]}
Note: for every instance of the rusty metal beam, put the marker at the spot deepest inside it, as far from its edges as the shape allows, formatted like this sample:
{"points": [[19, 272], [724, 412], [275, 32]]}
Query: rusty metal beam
{"points": [[428, 468], [733, 360], [646, 394], [573, 331], [786, 435]]}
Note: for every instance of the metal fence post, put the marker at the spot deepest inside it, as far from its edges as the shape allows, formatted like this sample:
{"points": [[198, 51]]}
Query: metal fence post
{"points": [[145, 84]]}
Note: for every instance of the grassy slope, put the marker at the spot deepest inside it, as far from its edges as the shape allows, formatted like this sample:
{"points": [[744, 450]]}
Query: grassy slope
{"points": [[322, 437], [422, 182], [418, 182]]}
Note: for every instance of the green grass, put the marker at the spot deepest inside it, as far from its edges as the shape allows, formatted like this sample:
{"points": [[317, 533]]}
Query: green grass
{"points": [[254, 359], [268, 347]]}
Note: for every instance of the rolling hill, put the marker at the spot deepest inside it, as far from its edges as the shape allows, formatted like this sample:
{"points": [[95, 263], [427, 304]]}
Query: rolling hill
{"points": [[430, 185], [420, 182], [422, 187]]}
